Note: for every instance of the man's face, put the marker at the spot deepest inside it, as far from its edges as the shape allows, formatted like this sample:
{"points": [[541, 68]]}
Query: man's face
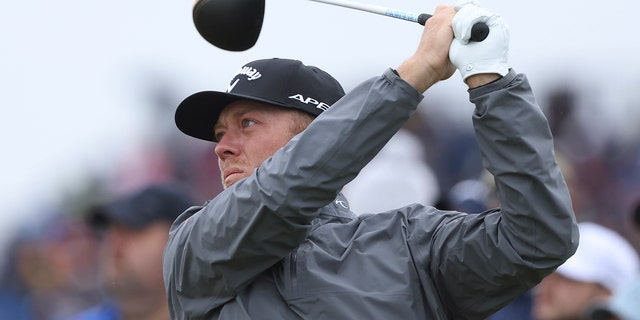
{"points": [[248, 133], [560, 298], [132, 264]]}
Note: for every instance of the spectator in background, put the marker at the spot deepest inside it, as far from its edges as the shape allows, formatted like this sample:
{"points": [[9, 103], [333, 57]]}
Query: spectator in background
{"points": [[624, 304], [49, 270], [136, 229], [469, 195], [397, 175], [635, 214], [603, 263]]}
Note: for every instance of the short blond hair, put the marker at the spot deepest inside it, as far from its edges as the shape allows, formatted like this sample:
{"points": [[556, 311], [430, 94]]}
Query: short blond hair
{"points": [[301, 121]]}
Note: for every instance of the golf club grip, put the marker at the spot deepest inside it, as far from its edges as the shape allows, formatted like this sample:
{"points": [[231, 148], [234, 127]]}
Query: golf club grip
{"points": [[479, 31]]}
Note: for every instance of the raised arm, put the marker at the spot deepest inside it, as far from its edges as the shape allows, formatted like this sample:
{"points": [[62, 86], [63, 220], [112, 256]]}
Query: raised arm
{"points": [[478, 262]]}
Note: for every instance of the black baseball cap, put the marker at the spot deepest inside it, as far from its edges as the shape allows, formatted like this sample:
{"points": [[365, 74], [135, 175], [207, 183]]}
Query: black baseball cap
{"points": [[280, 82], [139, 209]]}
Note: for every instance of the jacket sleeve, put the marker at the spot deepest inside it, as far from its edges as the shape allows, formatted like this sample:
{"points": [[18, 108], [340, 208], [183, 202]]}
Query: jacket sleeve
{"points": [[215, 251], [477, 263]]}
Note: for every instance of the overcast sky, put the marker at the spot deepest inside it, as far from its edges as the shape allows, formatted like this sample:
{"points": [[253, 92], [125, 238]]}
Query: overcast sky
{"points": [[75, 75]]}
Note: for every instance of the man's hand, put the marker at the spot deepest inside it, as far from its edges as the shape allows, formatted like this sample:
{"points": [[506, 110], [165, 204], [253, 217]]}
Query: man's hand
{"points": [[430, 63], [486, 59]]}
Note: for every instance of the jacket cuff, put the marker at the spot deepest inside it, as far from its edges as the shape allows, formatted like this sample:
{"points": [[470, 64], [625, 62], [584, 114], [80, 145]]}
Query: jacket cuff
{"points": [[492, 86]]}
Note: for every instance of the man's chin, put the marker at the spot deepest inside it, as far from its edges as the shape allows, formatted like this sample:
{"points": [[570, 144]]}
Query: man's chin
{"points": [[230, 181]]}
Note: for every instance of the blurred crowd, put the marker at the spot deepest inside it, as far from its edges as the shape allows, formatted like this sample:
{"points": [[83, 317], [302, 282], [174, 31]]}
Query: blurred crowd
{"points": [[52, 267]]}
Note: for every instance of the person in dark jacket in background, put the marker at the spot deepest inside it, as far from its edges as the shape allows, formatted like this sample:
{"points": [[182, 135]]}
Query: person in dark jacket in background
{"points": [[135, 229], [280, 242]]}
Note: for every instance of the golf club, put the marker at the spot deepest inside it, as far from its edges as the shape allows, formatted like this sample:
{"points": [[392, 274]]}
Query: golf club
{"points": [[479, 31], [235, 25]]}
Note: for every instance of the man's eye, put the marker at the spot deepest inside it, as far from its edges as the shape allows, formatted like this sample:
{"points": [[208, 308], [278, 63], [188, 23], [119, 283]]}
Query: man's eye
{"points": [[247, 123], [218, 135]]}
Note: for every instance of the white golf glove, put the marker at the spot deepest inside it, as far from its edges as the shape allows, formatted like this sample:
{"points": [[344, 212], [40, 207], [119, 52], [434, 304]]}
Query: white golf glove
{"points": [[487, 56]]}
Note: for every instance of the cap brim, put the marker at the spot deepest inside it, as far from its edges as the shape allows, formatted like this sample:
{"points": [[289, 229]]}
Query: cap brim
{"points": [[197, 114], [105, 215]]}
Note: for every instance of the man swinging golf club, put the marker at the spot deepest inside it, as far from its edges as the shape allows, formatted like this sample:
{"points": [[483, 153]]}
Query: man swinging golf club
{"points": [[280, 241]]}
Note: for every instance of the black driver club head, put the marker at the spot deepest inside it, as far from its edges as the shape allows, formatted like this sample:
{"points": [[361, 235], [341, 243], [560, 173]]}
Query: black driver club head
{"points": [[232, 25]]}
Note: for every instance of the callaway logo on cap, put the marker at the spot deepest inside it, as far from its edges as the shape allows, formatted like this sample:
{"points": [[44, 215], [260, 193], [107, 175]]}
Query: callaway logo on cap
{"points": [[280, 82]]}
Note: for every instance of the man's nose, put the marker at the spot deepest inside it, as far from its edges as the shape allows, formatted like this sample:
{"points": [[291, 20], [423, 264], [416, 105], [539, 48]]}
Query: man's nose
{"points": [[227, 146]]}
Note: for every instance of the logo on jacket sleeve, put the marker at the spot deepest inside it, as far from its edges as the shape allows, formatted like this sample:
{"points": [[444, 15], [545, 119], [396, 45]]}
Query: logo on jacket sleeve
{"points": [[342, 203]]}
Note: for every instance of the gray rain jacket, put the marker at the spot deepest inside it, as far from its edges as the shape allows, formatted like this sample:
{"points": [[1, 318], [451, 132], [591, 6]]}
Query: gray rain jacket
{"points": [[283, 244]]}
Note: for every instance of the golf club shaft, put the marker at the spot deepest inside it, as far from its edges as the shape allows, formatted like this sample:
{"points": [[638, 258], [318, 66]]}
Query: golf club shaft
{"points": [[373, 9], [479, 31]]}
